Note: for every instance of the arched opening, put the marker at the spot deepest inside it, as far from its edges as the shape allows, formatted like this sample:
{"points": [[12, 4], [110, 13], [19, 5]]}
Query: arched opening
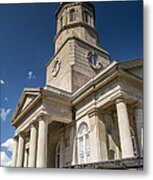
{"points": [[86, 17], [83, 144], [57, 156], [72, 15]]}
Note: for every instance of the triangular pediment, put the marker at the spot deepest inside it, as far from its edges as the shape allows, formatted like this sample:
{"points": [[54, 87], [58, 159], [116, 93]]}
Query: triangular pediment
{"points": [[27, 97]]}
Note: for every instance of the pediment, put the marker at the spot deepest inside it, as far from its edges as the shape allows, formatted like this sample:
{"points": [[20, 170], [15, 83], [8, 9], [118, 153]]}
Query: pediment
{"points": [[27, 97]]}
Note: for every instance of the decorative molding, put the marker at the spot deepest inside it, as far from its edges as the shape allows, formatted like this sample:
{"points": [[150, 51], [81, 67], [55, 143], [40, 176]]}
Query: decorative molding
{"points": [[93, 112], [120, 99], [42, 116], [33, 122]]}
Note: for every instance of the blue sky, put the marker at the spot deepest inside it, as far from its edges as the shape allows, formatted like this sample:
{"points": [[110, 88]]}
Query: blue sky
{"points": [[26, 45]]}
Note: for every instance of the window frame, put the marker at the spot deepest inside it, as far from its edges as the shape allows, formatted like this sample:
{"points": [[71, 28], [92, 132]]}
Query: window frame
{"points": [[83, 144], [72, 15], [86, 17]]}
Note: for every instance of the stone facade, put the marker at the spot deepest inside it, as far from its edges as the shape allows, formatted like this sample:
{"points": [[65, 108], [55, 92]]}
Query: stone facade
{"points": [[90, 110]]}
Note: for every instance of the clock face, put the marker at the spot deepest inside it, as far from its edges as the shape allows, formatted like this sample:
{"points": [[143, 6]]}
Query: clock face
{"points": [[56, 68], [93, 60]]}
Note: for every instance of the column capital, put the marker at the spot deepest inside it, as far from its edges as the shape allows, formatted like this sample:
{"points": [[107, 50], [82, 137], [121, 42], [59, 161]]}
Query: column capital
{"points": [[93, 112], [21, 134], [121, 99], [42, 116], [15, 137], [33, 123]]}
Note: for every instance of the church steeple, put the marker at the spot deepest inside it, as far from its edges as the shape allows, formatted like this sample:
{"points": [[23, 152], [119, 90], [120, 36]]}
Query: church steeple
{"points": [[75, 19], [77, 56]]}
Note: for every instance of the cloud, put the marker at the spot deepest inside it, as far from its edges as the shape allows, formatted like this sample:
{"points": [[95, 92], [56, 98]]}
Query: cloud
{"points": [[8, 144], [6, 99], [4, 112], [31, 75], [2, 81], [6, 157]]}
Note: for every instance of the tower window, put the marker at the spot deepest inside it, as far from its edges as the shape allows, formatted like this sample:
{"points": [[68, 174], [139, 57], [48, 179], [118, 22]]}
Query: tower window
{"points": [[72, 15], [86, 17], [61, 22]]}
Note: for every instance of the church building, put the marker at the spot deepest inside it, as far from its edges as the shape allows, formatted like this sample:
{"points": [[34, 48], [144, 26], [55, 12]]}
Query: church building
{"points": [[90, 112]]}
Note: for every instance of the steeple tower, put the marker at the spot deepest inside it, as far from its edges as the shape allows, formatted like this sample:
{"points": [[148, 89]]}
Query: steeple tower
{"points": [[78, 56], [75, 20]]}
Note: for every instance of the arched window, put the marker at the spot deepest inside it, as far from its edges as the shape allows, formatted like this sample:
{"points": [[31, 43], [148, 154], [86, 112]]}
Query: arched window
{"points": [[134, 143], [57, 156], [72, 15], [83, 144], [86, 17]]}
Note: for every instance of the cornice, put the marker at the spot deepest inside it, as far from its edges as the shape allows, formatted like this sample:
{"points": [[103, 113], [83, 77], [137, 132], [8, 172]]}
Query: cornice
{"points": [[73, 25], [110, 73]]}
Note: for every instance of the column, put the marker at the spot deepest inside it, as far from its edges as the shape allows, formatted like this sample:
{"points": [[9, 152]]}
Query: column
{"points": [[20, 151], [124, 129], [25, 158], [98, 149], [32, 146], [42, 143], [15, 148], [139, 127]]}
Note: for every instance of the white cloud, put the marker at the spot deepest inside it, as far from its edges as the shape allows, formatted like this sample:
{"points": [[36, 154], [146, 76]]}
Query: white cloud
{"points": [[6, 99], [8, 144], [4, 112], [2, 81], [5, 160], [31, 75]]}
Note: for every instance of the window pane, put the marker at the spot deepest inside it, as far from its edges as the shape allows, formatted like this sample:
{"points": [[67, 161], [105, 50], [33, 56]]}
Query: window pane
{"points": [[81, 145], [86, 17], [87, 145], [83, 129], [72, 15]]}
